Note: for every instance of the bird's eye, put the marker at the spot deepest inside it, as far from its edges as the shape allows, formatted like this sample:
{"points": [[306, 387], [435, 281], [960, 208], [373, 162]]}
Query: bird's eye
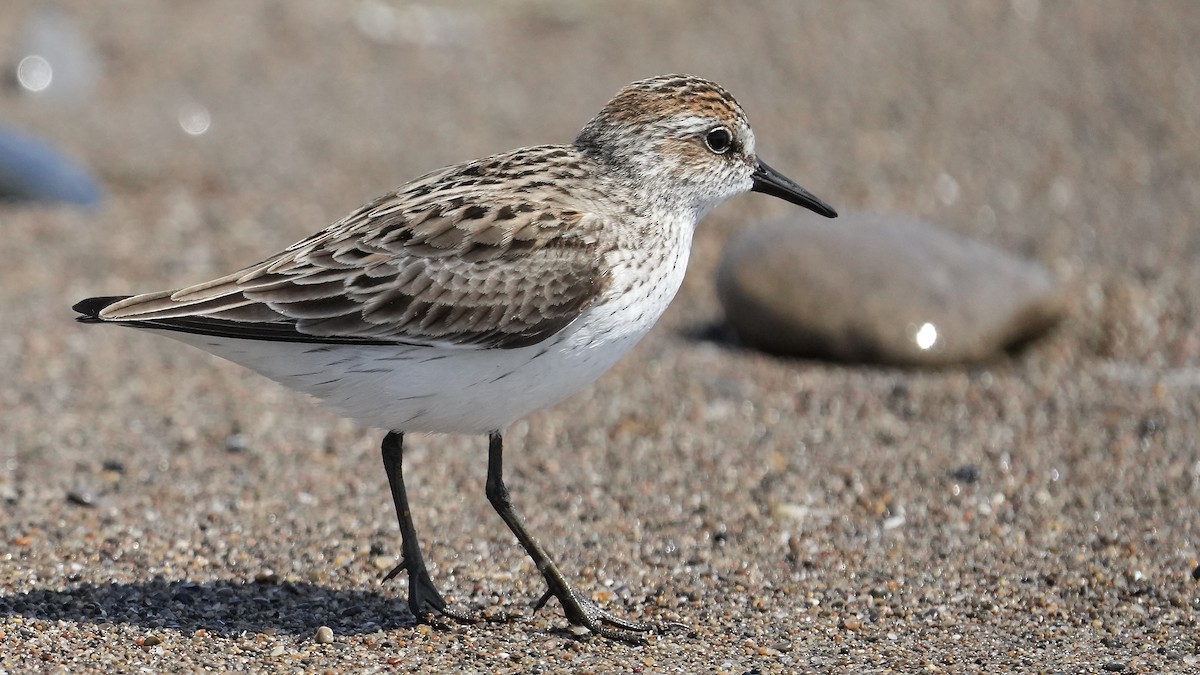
{"points": [[719, 140]]}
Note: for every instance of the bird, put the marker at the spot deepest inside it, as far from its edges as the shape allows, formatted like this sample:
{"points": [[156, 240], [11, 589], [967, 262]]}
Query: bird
{"points": [[484, 291]]}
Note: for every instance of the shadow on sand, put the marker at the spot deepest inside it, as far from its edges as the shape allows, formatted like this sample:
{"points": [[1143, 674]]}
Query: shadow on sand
{"points": [[224, 608]]}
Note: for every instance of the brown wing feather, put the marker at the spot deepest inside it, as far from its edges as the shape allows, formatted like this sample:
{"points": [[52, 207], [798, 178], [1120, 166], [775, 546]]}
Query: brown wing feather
{"points": [[472, 264]]}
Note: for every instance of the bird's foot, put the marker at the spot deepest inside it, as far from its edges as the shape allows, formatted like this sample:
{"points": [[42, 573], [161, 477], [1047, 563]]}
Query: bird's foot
{"points": [[583, 612], [424, 599]]}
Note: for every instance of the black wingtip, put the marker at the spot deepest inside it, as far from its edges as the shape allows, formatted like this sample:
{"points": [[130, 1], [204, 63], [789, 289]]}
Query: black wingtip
{"points": [[89, 310]]}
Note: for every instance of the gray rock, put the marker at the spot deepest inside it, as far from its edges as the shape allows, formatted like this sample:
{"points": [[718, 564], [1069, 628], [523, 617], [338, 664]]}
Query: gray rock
{"points": [[881, 289]]}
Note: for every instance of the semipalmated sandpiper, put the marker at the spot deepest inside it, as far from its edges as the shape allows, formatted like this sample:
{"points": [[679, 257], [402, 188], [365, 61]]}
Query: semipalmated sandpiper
{"points": [[484, 291]]}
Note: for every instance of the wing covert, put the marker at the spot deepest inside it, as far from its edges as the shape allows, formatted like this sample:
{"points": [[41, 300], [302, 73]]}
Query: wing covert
{"points": [[464, 267]]}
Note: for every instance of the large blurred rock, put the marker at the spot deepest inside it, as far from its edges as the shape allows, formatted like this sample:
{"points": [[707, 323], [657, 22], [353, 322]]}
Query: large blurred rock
{"points": [[880, 289]]}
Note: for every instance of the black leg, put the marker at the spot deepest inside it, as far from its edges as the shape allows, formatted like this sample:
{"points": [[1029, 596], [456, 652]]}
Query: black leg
{"points": [[580, 610], [423, 596]]}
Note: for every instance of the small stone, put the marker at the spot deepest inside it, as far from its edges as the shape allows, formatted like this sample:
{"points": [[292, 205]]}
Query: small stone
{"points": [[867, 288], [324, 635], [266, 576], [967, 473], [113, 465], [151, 640], [278, 650], [235, 443], [1114, 667], [1196, 573], [82, 496]]}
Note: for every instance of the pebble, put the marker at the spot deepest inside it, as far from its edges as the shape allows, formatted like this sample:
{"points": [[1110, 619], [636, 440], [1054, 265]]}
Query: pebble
{"points": [[113, 465], [869, 288], [81, 496], [323, 636], [235, 442], [266, 576], [967, 473]]}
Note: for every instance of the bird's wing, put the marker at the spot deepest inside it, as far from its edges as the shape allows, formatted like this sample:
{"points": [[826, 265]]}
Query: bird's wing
{"points": [[466, 265]]}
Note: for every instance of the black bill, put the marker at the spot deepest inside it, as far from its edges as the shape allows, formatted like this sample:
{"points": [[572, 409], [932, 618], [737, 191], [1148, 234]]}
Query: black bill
{"points": [[770, 182]]}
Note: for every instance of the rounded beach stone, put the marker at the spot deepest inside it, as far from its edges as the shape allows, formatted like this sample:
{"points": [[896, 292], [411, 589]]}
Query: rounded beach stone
{"points": [[881, 289]]}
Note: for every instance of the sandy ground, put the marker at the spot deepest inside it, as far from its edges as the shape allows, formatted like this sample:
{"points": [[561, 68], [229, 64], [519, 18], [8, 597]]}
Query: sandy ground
{"points": [[162, 510]]}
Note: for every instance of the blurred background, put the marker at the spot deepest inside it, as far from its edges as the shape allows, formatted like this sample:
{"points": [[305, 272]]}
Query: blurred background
{"points": [[1037, 509]]}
